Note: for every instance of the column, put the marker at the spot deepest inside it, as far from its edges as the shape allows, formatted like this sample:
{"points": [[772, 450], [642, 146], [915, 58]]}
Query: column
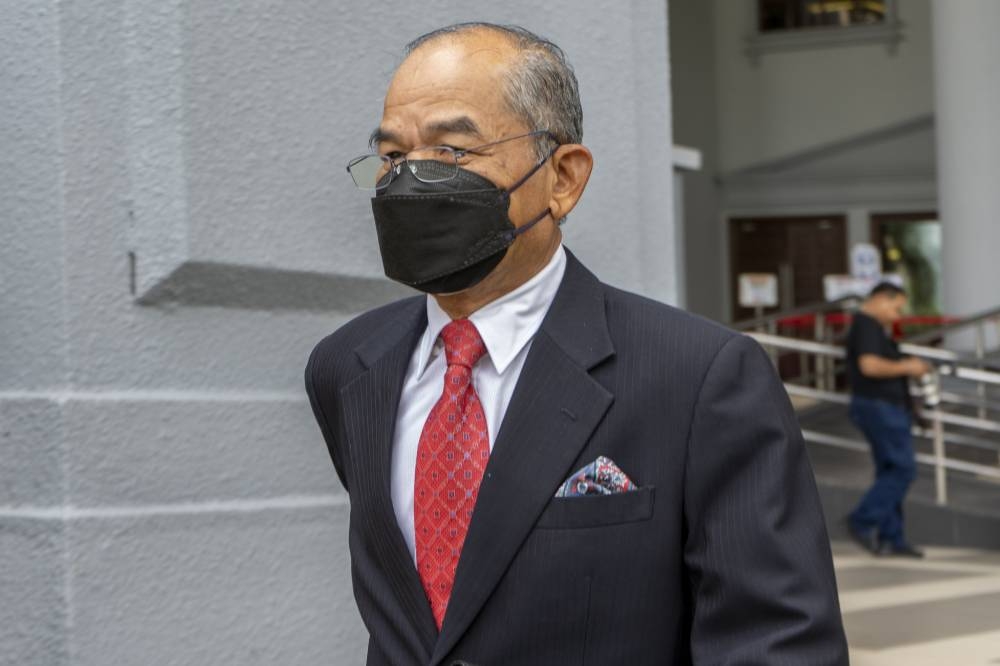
{"points": [[967, 108]]}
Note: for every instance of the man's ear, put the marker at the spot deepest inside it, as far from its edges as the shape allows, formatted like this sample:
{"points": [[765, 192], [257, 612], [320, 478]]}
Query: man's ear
{"points": [[573, 164]]}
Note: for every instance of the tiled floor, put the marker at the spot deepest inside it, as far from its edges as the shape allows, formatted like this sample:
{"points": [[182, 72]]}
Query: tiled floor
{"points": [[942, 610]]}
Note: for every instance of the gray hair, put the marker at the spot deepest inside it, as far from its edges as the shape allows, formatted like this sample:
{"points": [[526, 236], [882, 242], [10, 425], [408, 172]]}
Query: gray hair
{"points": [[541, 87]]}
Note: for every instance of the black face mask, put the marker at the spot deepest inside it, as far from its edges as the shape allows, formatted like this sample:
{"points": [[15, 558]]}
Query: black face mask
{"points": [[447, 236]]}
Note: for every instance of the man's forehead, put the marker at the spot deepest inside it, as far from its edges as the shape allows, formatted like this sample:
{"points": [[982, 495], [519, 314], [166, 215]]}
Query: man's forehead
{"points": [[449, 86], [475, 52], [469, 66]]}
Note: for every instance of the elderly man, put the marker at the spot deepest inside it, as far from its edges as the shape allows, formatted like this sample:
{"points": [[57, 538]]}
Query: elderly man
{"points": [[544, 469]]}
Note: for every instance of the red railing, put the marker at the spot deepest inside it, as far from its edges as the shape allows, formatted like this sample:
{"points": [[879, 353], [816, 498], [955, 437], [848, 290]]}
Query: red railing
{"points": [[839, 321]]}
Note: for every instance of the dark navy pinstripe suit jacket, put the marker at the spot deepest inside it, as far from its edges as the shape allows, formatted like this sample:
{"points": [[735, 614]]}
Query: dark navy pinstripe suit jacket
{"points": [[721, 557]]}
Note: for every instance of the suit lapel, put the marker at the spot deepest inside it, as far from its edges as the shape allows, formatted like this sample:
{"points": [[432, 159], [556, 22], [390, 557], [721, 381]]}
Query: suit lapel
{"points": [[370, 402], [555, 408]]}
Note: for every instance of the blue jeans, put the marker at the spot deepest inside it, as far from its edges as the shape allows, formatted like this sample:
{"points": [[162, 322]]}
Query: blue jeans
{"points": [[887, 428]]}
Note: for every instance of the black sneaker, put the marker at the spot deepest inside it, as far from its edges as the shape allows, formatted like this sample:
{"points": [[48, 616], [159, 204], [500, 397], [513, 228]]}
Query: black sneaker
{"points": [[867, 539], [901, 550]]}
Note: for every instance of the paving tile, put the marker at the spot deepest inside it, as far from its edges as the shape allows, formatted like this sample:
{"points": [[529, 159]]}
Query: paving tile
{"points": [[981, 649], [893, 626], [976, 558], [867, 577]]}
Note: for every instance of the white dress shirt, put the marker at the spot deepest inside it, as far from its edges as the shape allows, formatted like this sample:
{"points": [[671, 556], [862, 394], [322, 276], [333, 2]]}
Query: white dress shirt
{"points": [[507, 326]]}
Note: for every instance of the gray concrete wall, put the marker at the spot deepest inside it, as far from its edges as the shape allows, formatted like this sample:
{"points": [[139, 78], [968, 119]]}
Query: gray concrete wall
{"points": [[695, 110], [784, 102], [176, 231]]}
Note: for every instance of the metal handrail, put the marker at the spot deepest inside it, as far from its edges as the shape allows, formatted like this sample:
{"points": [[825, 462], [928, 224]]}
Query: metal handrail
{"points": [[972, 374], [811, 308], [965, 322], [946, 362], [795, 344], [957, 438], [926, 459], [848, 302], [950, 397], [970, 400], [843, 398]]}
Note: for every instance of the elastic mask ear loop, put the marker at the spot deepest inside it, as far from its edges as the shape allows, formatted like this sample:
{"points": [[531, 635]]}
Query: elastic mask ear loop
{"points": [[525, 177], [511, 235], [526, 227]]}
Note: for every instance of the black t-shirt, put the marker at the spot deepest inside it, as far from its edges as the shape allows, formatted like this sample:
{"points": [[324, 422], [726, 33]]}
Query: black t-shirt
{"points": [[868, 337]]}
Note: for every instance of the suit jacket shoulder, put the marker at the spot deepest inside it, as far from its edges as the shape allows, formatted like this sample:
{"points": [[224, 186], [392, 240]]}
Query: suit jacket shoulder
{"points": [[658, 316], [344, 354], [678, 343], [363, 327]]}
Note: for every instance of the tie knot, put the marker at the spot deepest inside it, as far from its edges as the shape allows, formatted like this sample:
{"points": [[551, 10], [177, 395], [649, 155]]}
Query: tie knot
{"points": [[462, 343]]}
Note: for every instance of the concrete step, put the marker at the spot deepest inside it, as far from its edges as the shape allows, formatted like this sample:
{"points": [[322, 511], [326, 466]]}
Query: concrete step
{"points": [[926, 522], [970, 520]]}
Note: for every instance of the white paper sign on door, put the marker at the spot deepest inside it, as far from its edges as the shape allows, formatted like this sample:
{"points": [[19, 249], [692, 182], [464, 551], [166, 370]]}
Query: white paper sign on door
{"points": [[758, 290]]}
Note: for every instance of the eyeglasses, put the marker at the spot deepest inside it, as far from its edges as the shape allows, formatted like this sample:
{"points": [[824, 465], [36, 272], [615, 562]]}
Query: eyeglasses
{"points": [[431, 164]]}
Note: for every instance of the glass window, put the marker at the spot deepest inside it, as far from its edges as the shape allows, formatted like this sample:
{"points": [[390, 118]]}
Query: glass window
{"points": [[911, 248], [778, 15]]}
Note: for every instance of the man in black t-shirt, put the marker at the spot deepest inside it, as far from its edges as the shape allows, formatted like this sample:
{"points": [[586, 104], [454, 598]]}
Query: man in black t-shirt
{"points": [[881, 408]]}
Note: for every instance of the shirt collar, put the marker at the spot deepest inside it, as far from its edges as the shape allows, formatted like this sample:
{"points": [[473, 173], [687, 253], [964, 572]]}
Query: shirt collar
{"points": [[506, 324]]}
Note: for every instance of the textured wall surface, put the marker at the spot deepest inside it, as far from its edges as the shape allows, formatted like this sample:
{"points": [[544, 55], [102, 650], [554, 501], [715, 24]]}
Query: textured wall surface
{"points": [[787, 102], [694, 103], [177, 232]]}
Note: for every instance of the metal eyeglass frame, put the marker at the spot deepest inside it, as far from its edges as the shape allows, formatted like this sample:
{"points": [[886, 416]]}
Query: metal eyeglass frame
{"points": [[456, 153]]}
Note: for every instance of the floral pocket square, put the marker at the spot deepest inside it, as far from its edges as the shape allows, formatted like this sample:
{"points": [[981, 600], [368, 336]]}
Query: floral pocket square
{"points": [[601, 477]]}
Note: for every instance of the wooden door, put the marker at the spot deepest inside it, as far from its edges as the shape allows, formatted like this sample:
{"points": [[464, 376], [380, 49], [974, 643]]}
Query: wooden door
{"points": [[799, 250]]}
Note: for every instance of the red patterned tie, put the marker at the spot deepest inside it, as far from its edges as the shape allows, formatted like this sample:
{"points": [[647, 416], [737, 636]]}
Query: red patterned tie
{"points": [[451, 456]]}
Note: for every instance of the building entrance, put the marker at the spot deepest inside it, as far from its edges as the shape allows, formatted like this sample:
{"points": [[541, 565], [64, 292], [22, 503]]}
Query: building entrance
{"points": [[799, 250], [911, 247]]}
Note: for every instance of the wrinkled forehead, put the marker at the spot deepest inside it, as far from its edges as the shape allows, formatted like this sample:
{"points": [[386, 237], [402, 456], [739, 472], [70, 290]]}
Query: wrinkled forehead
{"points": [[452, 77]]}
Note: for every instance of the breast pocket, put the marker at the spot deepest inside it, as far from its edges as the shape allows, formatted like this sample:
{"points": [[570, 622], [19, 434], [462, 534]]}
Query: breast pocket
{"points": [[598, 510]]}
